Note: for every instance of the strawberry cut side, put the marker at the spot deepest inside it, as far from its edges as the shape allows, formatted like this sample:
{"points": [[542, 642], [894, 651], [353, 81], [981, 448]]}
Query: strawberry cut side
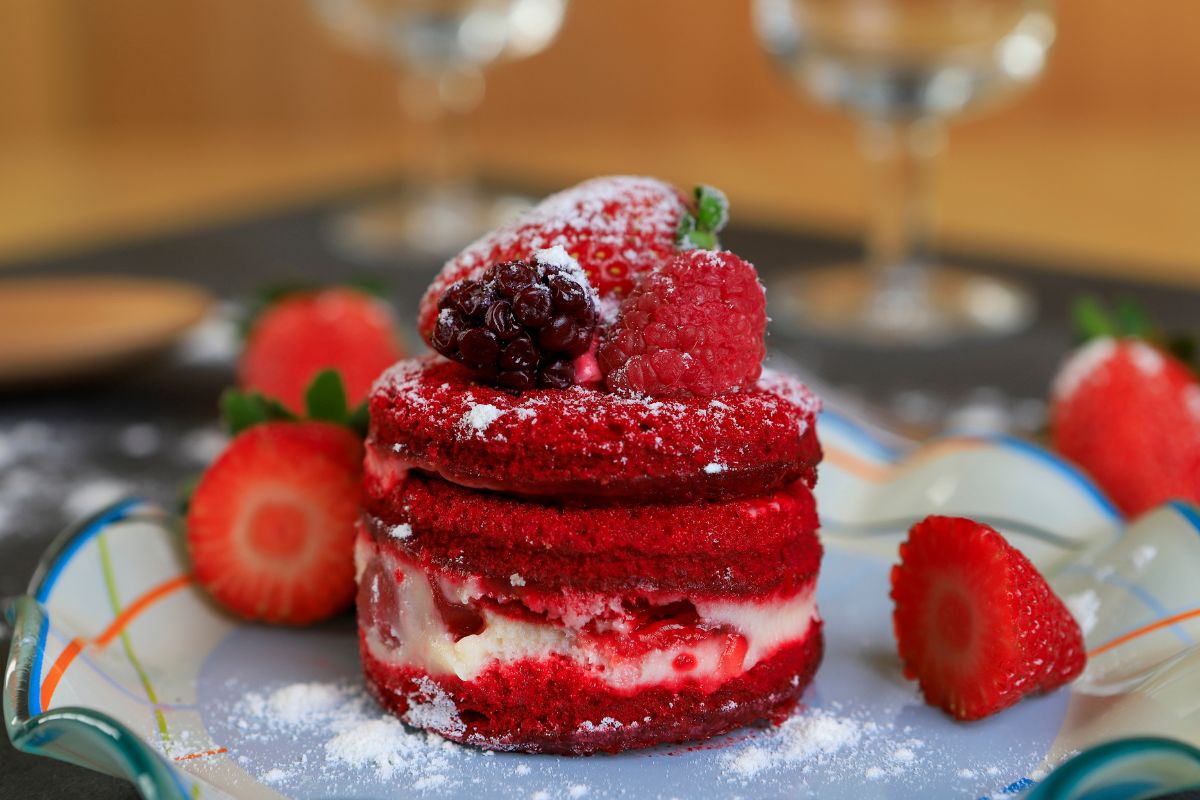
{"points": [[271, 524], [976, 624]]}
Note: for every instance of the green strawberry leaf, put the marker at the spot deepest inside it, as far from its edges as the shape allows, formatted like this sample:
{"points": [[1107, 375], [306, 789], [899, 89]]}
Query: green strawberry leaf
{"points": [[360, 419], [1184, 348], [325, 398], [242, 410], [1132, 320], [698, 228], [1091, 320], [712, 208]]}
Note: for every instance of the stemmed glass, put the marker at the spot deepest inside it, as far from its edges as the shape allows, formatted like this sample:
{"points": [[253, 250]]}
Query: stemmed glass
{"points": [[903, 67], [441, 48]]}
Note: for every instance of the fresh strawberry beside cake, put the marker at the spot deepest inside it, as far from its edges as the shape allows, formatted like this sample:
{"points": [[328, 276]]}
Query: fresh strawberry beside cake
{"points": [[589, 523]]}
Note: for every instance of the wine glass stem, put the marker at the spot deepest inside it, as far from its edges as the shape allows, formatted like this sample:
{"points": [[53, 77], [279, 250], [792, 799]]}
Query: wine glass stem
{"points": [[901, 154], [441, 162]]}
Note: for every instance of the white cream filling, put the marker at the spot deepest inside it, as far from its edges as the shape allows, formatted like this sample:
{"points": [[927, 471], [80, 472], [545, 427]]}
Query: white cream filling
{"points": [[426, 644]]}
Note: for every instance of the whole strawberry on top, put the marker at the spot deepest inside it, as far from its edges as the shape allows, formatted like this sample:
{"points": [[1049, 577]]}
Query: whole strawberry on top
{"points": [[976, 624], [302, 333], [1127, 410], [617, 228]]}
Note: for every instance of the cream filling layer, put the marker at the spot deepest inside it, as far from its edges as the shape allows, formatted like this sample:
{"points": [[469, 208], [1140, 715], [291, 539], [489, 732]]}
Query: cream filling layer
{"points": [[425, 643]]}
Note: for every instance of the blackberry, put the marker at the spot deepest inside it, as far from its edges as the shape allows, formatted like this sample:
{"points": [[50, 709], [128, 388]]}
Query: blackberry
{"points": [[522, 324]]}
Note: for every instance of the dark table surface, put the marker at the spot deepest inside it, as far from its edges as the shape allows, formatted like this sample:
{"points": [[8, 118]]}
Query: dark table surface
{"points": [[67, 448]]}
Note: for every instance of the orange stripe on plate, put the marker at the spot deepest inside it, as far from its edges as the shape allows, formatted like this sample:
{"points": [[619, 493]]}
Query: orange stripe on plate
{"points": [[60, 666], [859, 467], [1134, 634], [214, 752], [135, 608], [877, 473], [111, 632]]}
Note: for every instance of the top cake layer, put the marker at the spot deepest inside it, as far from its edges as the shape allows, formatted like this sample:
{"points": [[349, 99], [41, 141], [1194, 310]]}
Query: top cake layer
{"points": [[582, 446]]}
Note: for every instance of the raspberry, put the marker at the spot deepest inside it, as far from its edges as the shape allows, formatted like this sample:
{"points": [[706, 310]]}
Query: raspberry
{"points": [[693, 328], [521, 324]]}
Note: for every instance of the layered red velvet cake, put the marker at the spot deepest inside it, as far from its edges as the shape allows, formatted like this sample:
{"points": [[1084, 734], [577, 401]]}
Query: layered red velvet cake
{"points": [[592, 529]]}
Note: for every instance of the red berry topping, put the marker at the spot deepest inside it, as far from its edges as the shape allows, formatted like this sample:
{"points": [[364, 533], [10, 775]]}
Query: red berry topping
{"points": [[616, 228], [270, 526], [521, 324], [976, 623], [297, 337], [693, 328]]}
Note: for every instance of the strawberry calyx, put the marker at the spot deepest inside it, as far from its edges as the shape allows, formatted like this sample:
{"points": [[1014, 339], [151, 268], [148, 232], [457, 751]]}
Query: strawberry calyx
{"points": [[700, 224], [1128, 320], [324, 401]]}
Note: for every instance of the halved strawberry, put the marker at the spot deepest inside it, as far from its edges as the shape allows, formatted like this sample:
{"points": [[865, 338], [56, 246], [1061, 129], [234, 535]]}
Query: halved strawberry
{"points": [[618, 228], [976, 623], [270, 525], [295, 338]]}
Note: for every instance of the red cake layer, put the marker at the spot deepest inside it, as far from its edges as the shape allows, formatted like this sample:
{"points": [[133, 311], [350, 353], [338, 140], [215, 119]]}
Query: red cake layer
{"points": [[584, 446], [760, 545], [551, 706]]}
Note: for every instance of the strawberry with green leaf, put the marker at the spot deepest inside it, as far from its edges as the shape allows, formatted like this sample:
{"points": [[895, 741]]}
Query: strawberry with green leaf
{"points": [[301, 333], [271, 523], [618, 228], [1126, 408]]}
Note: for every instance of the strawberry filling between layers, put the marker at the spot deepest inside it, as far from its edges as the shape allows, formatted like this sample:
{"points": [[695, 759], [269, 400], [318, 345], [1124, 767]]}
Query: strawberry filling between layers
{"points": [[446, 624]]}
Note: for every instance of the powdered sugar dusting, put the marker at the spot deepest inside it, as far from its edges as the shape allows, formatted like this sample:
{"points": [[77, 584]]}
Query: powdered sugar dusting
{"points": [[293, 704], [834, 746], [1081, 364], [388, 748], [479, 418], [1191, 397], [632, 217], [557, 256], [585, 208], [431, 407], [354, 739], [434, 709], [815, 735], [1147, 359], [714, 468], [401, 531]]}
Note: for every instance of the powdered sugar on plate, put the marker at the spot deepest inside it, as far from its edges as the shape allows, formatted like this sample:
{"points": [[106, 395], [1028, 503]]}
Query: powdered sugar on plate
{"points": [[352, 739], [840, 746], [815, 736]]}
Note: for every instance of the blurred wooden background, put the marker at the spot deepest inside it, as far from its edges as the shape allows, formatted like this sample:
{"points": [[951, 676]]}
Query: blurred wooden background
{"points": [[121, 117]]}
